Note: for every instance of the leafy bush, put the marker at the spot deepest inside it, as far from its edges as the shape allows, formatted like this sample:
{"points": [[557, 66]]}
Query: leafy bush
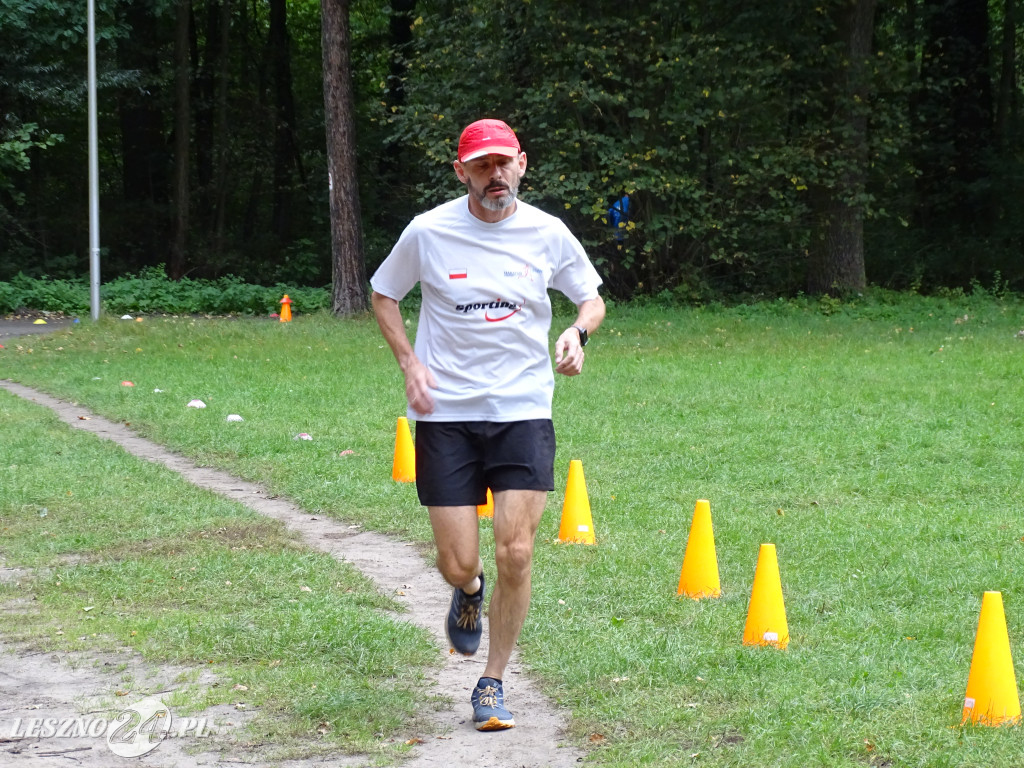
{"points": [[151, 292]]}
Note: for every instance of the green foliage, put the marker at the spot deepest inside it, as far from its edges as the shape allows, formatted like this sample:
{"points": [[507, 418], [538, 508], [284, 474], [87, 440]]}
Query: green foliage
{"points": [[151, 292], [729, 124], [716, 121], [15, 143]]}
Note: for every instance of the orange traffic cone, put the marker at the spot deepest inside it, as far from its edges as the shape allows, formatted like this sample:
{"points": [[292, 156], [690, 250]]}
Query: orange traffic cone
{"points": [[577, 525], [403, 470], [766, 615], [286, 309], [699, 577], [991, 697], [487, 508]]}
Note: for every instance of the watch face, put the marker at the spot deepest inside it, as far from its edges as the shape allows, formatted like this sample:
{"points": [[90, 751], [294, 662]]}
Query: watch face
{"points": [[584, 337]]}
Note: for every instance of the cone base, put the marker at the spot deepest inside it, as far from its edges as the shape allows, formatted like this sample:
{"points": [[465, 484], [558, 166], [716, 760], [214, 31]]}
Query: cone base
{"points": [[699, 594]]}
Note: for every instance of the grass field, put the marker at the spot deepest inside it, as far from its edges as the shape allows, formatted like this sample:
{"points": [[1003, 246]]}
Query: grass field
{"points": [[877, 445]]}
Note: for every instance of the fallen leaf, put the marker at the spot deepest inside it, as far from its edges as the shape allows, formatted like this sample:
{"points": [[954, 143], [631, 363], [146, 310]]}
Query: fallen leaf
{"points": [[596, 738], [240, 687], [415, 740]]}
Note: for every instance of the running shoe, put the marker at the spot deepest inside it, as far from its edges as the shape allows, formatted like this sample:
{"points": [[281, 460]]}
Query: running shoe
{"points": [[489, 711], [465, 621]]}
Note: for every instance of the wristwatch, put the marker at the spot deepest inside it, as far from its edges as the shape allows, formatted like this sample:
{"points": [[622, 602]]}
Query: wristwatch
{"points": [[583, 335]]}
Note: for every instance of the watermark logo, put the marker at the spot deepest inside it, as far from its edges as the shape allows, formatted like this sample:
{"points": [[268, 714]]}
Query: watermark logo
{"points": [[139, 729], [133, 732]]}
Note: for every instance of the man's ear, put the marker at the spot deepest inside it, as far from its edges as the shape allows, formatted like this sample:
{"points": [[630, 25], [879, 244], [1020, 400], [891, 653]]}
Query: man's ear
{"points": [[459, 171]]}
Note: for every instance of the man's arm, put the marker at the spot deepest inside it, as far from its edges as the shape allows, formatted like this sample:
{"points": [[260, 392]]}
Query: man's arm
{"points": [[568, 351], [418, 380]]}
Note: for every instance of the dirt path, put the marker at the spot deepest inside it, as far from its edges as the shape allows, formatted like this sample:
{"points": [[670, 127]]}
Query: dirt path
{"points": [[67, 687]]}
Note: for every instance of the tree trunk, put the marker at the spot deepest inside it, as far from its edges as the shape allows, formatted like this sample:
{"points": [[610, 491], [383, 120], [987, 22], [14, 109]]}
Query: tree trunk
{"points": [[182, 123], [221, 140], [1006, 106], [954, 114], [836, 262], [286, 156], [349, 295], [145, 222]]}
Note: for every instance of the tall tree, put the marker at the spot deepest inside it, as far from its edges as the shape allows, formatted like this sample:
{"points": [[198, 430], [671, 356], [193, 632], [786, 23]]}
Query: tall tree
{"points": [[1006, 103], [836, 254], [182, 136], [954, 113], [286, 155], [145, 181], [349, 295]]}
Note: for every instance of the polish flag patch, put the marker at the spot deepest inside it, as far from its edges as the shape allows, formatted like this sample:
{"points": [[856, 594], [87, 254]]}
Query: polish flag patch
{"points": [[457, 274]]}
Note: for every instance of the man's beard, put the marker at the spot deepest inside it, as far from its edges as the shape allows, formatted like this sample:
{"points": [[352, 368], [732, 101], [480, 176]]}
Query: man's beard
{"points": [[496, 204]]}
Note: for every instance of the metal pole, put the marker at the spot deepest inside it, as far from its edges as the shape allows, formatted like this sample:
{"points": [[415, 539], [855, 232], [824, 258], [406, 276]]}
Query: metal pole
{"points": [[94, 174]]}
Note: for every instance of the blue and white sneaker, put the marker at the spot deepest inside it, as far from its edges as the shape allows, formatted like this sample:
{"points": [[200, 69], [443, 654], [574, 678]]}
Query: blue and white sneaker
{"points": [[489, 711], [464, 624]]}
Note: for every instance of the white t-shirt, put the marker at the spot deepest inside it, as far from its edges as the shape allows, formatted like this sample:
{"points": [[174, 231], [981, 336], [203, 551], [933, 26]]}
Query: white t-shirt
{"points": [[485, 317]]}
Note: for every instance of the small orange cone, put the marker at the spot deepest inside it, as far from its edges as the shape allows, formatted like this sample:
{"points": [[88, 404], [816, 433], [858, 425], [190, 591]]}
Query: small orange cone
{"points": [[403, 470], [766, 615], [699, 577], [286, 309], [991, 697], [577, 525], [487, 508]]}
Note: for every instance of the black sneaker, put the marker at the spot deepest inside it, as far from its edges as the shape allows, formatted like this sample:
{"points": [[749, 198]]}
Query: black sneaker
{"points": [[489, 711], [465, 623]]}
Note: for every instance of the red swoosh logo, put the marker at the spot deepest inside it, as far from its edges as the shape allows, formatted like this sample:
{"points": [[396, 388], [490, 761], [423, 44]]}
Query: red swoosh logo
{"points": [[490, 319]]}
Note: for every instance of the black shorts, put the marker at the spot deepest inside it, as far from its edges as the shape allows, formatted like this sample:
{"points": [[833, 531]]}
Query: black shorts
{"points": [[457, 461]]}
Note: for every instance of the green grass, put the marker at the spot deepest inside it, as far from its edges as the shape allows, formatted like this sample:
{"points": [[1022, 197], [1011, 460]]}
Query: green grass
{"points": [[127, 554], [877, 444]]}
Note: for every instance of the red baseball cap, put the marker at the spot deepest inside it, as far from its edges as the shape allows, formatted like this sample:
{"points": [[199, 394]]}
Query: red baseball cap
{"points": [[487, 137]]}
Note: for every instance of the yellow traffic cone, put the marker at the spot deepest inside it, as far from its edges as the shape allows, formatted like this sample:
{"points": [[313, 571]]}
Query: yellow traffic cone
{"points": [[487, 508], [403, 470], [766, 615], [699, 577], [991, 697], [577, 525]]}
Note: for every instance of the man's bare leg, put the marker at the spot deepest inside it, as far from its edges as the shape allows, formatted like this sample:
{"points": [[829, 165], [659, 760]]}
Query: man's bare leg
{"points": [[457, 536], [517, 515]]}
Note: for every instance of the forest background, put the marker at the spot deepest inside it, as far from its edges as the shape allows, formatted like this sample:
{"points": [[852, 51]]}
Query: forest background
{"points": [[766, 149]]}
